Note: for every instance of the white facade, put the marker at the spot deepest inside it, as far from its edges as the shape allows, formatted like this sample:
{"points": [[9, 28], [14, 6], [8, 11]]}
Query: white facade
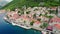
{"points": [[36, 25]]}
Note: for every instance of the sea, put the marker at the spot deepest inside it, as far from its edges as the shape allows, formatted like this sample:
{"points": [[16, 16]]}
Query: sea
{"points": [[6, 28]]}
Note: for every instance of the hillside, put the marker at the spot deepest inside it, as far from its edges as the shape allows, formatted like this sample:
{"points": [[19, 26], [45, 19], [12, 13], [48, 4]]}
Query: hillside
{"points": [[31, 3]]}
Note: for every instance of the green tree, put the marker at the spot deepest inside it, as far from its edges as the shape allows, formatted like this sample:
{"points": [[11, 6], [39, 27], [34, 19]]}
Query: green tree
{"points": [[31, 23]]}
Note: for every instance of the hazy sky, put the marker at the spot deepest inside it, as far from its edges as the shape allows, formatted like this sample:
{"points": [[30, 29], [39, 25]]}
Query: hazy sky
{"points": [[6, 0]]}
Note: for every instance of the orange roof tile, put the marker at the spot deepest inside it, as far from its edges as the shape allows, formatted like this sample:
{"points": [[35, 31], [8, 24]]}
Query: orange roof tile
{"points": [[57, 26], [57, 19]]}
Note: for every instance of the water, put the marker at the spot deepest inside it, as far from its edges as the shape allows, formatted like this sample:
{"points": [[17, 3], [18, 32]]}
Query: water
{"points": [[10, 29]]}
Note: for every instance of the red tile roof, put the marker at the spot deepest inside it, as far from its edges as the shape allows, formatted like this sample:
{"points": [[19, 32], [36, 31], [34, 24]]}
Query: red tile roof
{"points": [[37, 22], [57, 26], [15, 16], [56, 19]]}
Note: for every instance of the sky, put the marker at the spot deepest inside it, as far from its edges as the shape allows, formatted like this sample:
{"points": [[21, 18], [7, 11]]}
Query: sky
{"points": [[6, 0]]}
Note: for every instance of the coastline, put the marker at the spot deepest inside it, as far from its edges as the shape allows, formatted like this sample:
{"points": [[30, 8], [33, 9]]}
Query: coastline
{"points": [[33, 19], [32, 27], [2, 11], [9, 28], [17, 24]]}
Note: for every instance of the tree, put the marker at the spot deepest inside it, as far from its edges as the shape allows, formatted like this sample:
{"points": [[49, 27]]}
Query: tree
{"points": [[31, 23]]}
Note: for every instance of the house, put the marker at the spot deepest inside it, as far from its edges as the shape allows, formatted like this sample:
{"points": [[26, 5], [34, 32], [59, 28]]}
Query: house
{"points": [[12, 15], [58, 8], [37, 24], [29, 9], [55, 19], [49, 28], [15, 16], [57, 26], [52, 8]]}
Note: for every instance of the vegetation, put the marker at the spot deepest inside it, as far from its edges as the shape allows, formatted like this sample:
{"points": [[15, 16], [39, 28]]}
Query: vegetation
{"points": [[28, 12], [20, 3], [38, 19], [40, 15], [49, 16], [20, 12], [24, 21], [53, 12], [31, 23], [44, 25], [34, 16]]}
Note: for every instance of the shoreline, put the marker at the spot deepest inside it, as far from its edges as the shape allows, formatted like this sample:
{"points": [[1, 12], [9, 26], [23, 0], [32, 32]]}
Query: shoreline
{"points": [[32, 27], [2, 11], [17, 24]]}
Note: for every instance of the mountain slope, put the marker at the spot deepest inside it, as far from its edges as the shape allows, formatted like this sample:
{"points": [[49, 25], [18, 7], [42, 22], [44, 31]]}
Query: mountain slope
{"points": [[20, 3], [31, 3]]}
